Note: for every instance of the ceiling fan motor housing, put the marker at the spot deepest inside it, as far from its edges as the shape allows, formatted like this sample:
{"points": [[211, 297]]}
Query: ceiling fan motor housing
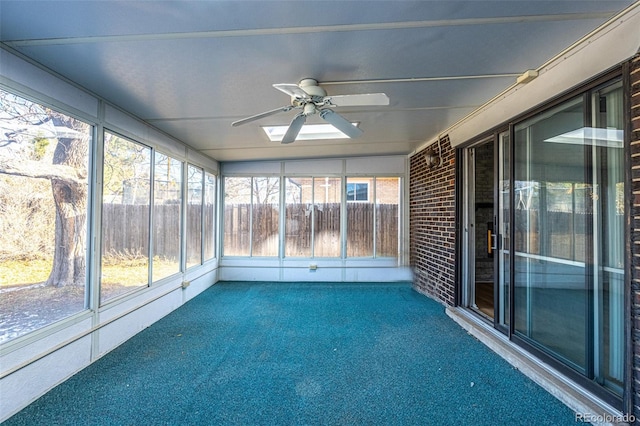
{"points": [[310, 86]]}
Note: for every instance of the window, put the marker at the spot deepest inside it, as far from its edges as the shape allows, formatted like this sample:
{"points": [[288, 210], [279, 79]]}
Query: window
{"points": [[298, 217], [326, 217], [167, 210], [387, 216], [126, 204], [357, 191], [265, 216], [372, 223], [251, 216], [237, 216], [195, 186], [44, 186], [315, 216], [209, 229], [312, 225], [360, 214]]}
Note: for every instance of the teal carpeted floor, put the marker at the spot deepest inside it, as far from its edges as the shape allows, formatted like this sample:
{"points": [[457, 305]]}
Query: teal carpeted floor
{"points": [[300, 354]]}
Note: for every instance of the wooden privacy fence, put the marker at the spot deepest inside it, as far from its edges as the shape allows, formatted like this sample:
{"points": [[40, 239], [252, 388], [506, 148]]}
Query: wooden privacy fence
{"points": [[298, 229], [125, 230], [551, 233]]}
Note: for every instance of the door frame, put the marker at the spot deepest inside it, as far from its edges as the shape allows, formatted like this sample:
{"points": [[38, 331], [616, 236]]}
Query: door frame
{"points": [[467, 218]]}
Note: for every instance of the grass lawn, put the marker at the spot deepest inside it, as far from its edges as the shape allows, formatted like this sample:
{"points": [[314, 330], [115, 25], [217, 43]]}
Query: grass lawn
{"points": [[26, 305], [124, 272], [23, 272]]}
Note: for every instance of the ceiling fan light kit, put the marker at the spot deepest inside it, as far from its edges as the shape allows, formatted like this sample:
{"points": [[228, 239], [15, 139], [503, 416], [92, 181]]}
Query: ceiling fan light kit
{"points": [[308, 96]]}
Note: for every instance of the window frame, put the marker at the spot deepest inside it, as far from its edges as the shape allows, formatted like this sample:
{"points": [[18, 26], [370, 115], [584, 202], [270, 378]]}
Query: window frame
{"points": [[285, 177], [91, 134], [99, 256]]}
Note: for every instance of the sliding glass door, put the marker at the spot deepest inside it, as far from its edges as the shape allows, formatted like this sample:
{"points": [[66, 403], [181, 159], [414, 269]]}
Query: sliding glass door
{"points": [[551, 193], [568, 247]]}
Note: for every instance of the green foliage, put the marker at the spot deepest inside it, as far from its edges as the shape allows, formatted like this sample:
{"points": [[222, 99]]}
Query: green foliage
{"points": [[126, 165], [40, 145]]}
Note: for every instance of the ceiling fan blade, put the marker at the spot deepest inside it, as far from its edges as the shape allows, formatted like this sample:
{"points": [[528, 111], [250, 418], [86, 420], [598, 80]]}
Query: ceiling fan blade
{"points": [[292, 90], [294, 128], [261, 115], [365, 99], [340, 123]]}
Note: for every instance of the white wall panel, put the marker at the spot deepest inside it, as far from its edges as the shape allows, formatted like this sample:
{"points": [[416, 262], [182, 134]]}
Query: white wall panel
{"points": [[391, 164], [112, 335], [231, 273], [377, 274], [200, 284], [36, 346], [119, 120], [252, 167], [325, 271], [314, 167], [365, 165], [165, 144], [27, 384], [138, 298], [202, 160], [331, 274], [36, 79]]}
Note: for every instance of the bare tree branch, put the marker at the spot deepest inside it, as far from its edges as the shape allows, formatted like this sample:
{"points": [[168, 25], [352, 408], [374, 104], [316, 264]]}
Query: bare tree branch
{"points": [[38, 170]]}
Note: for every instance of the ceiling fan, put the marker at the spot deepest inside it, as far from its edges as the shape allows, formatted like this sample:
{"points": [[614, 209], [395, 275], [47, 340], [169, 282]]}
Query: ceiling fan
{"points": [[309, 97]]}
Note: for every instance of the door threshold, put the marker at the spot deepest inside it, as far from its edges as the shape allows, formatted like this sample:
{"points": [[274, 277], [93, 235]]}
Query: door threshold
{"points": [[483, 316], [557, 384]]}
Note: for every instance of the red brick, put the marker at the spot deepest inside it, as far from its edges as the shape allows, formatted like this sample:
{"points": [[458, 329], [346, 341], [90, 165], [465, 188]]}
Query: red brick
{"points": [[432, 224]]}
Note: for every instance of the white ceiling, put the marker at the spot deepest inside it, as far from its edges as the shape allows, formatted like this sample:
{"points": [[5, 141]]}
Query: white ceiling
{"points": [[190, 68]]}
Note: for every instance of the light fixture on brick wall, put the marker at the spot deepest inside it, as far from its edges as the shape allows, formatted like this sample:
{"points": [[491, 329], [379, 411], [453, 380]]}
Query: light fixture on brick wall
{"points": [[432, 157]]}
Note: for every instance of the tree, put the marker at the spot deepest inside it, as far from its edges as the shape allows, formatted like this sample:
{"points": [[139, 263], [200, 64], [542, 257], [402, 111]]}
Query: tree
{"points": [[67, 174], [266, 190]]}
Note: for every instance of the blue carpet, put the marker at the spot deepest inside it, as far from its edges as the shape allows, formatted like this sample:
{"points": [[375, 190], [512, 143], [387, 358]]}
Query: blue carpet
{"points": [[300, 354]]}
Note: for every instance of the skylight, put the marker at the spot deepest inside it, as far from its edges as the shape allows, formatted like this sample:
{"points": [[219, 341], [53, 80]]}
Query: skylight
{"points": [[610, 138], [308, 132]]}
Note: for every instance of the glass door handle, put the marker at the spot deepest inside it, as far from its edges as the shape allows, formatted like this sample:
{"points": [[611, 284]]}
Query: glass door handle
{"points": [[491, 242]]}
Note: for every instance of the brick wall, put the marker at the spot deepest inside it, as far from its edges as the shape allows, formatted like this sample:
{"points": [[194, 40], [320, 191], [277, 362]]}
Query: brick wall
{"points": [[635, 227], [432, 224]]}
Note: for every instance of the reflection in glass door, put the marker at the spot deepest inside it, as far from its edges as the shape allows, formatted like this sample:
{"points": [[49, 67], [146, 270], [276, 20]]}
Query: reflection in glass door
{"points": [[552, 214], [568, 234]]}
